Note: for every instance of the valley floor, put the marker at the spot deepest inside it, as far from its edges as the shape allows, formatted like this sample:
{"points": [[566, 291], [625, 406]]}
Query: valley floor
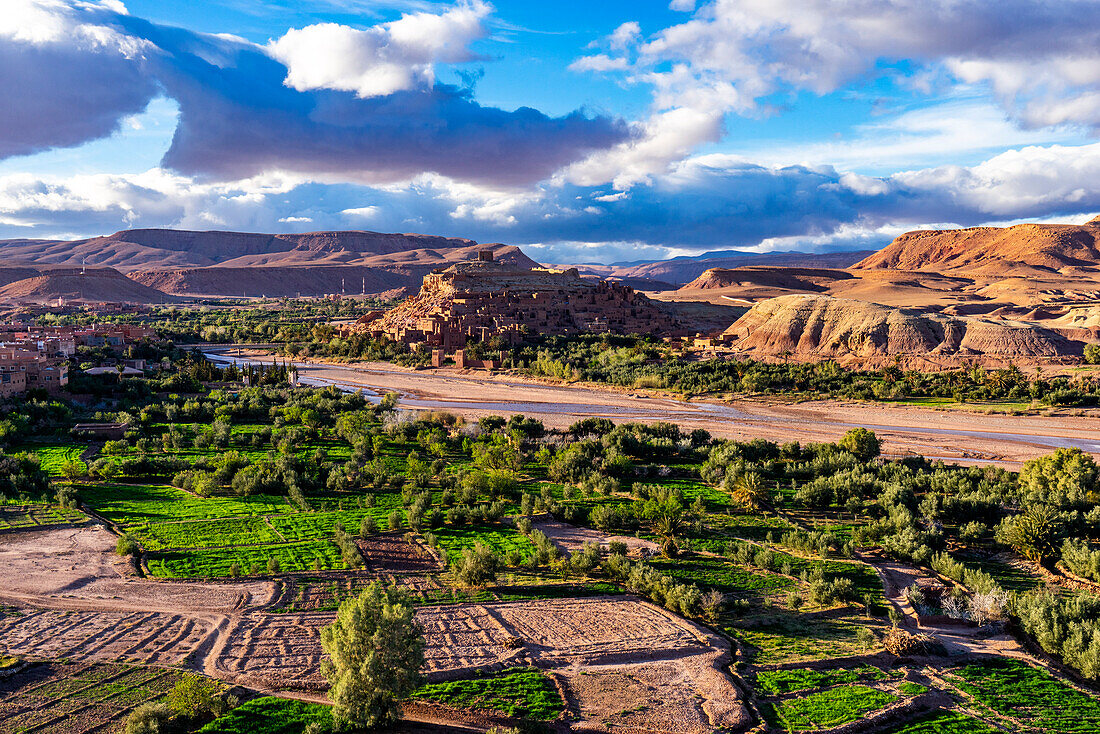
{"points": [[904, 429]]}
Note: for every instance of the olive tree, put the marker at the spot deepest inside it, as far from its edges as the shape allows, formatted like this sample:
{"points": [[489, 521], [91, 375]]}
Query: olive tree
{"points": [[860, 443], [375, 650], [478, 566]]}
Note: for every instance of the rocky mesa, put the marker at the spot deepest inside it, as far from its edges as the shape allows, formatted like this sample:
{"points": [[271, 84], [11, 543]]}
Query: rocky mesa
{"points": [[815, 326], [1001, 251]]}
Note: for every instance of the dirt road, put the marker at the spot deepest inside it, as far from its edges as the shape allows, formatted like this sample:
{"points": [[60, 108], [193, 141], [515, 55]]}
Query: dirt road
{"points": [[954, 435]]}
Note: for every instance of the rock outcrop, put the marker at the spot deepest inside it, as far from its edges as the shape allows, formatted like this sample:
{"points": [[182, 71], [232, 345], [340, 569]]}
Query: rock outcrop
{"points": [[817, 326], [681, 270], [807, 279], [1017, 250]]}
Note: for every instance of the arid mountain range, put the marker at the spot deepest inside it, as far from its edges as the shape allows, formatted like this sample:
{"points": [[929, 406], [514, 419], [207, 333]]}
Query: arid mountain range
{"points": [[949, 286]]}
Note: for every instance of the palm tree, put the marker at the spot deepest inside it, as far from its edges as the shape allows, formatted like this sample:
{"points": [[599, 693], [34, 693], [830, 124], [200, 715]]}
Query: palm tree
{"points": [[668, 524], [749, 490]]}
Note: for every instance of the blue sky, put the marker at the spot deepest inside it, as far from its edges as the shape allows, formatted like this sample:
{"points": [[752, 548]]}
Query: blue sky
{"points": [[581, 131]]}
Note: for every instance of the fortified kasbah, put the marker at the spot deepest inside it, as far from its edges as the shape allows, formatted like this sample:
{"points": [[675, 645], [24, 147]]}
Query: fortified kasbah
{"points": [[484, 298]]}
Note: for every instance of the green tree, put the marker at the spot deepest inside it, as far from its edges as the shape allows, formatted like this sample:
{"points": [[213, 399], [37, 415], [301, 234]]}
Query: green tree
{"points": [[150, 718], [861, 443], [375, 650], [478, 566], [750, 491], [196, 697], [72, 470], [1034, 534], [1066, 477]]}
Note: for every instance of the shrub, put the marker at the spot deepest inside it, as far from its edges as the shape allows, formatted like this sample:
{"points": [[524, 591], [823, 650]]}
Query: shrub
{"points": [[127, 545], [150, 718], [477, 566], [860, 443], [196, 697], [394, 520]]}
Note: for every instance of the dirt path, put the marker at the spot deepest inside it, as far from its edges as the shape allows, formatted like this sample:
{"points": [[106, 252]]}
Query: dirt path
{"points": [[897, 577], [78, 601], [956, 435]]}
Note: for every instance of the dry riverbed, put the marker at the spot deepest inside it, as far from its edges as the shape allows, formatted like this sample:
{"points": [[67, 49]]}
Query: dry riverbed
{"points": [[952, 435]]}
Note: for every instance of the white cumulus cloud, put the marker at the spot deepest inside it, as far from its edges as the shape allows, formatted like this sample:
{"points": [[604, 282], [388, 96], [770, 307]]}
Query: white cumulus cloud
{"points": [[383, 59]]}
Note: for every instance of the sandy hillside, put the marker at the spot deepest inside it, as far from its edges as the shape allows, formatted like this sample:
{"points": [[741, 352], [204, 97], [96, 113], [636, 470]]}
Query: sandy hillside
{"points": [[91, 284], [822, 326], [1009, 251], [262, 275], [142, 249]]}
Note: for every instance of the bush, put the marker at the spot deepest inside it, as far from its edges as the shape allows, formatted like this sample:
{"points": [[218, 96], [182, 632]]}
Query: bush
{"points": [[196, 697], [127, 545], [151, 718], [477, 566], [860, 443]]}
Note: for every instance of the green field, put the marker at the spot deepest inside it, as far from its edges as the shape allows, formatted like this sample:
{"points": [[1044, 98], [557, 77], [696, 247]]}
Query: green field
{"points": [[519, 692], [60, 696], [135, 504], [501, 538], [52, 457], [1028, 696], [717, 573], [943, 722], [271, 716], [212, 562], [826, 709], [786, 637], [207, 533], [17, 515], [800, 679], [311, 525], [189, 536]]}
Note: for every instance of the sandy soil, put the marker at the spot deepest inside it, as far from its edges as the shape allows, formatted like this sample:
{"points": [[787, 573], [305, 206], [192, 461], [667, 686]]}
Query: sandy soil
{"points": [[570, 538], [76, 568], [955, 435], [75, 600], [897, 577]]}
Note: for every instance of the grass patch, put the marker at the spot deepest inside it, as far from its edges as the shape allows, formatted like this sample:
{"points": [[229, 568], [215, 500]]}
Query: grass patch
{"points": [[944, 722], [1030, 696], [518, 692], [909, 688], [52, 457], [16, 516], [799, 679], [206, 533], [215, 562], [718, 573], [135, 504], [787, 637], [313, 525], [826, 709], [271, 715], [501, 538]]}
